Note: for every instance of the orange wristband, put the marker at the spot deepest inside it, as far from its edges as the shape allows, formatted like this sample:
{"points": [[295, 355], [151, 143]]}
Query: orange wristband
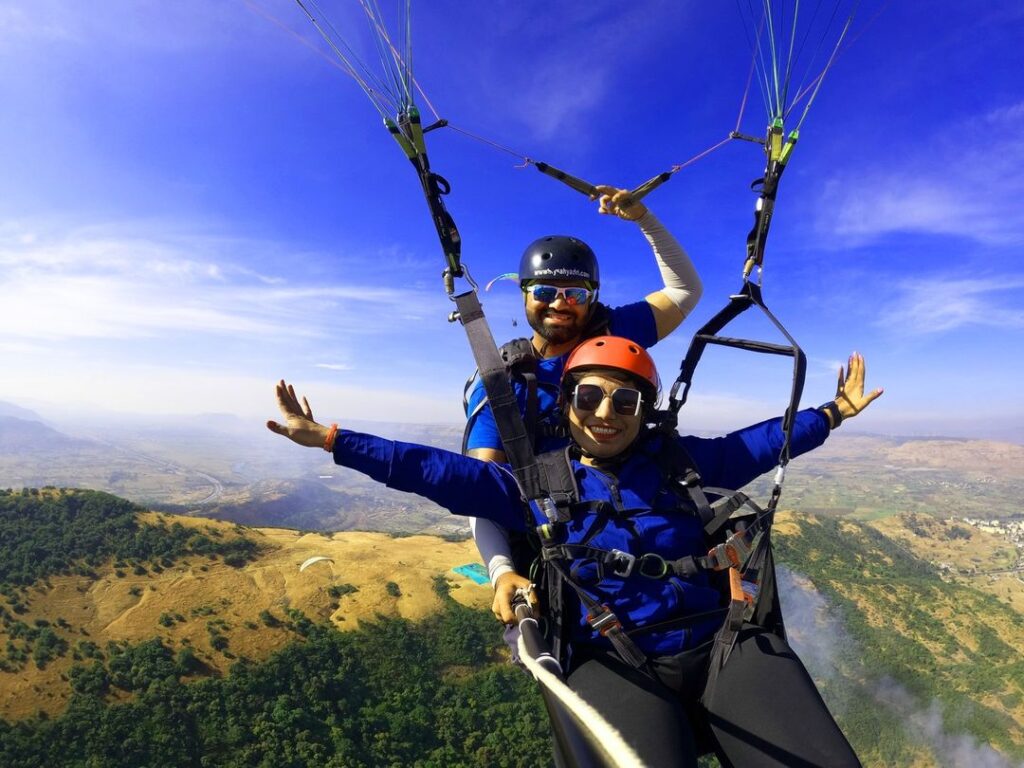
{"points": [[331, 435]]}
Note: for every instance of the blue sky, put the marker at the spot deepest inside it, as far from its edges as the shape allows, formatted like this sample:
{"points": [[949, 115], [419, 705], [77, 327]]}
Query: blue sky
{"points": [[195, 203]]}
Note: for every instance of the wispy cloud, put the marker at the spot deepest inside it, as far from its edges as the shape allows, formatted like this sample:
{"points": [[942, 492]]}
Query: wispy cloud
{"points": [[21, 24], [571, 72], [168, 389], [166, 26], [939, 304], [964, 180], [93, 284]]}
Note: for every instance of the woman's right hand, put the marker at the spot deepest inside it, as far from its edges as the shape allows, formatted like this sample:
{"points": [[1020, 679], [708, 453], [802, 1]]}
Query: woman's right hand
{"points": [[505, 590], [299, 426]]}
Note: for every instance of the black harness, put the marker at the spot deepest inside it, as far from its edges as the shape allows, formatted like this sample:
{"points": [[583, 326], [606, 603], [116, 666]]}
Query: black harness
{"points": [[520, 359], [737, 542]]}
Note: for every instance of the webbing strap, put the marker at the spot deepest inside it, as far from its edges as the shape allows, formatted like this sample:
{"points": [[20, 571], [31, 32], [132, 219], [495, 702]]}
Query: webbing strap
{"points": [[778, 151], [744, 605], [748, 296], [408, 133], [504, 406]]}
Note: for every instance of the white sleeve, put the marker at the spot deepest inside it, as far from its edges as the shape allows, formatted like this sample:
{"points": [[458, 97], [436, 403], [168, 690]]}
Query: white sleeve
{"points": [[682, 283], [492, 541]]}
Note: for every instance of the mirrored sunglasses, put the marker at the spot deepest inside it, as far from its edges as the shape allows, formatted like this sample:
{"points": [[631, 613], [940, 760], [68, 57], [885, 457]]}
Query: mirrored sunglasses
{"points": [[625, 400], [573, 296]]}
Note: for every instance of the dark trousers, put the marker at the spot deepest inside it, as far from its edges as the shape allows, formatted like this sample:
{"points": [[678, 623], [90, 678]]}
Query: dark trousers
{"points": [[764, 710]]}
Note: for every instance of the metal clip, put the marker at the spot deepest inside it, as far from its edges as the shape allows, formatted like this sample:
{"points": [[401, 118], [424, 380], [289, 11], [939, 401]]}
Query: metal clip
{"points": [[616, 560], [660, 566]]}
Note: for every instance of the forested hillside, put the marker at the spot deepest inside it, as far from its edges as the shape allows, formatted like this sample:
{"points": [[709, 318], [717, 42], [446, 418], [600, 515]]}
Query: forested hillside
{"points": [[356, 665]]}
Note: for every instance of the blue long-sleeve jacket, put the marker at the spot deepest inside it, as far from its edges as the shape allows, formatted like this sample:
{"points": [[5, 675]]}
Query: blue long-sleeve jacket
{"points": [[654, 523]]}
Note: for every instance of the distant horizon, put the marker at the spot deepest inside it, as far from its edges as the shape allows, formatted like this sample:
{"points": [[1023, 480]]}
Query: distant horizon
{"points": [[96, 418]]}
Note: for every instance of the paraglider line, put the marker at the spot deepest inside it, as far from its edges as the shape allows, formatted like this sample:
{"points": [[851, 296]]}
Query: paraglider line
{"points": [[526, 160]]}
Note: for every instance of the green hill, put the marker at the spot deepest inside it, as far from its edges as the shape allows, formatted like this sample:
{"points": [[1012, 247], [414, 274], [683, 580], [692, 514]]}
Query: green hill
{"points": [[184, 659]]}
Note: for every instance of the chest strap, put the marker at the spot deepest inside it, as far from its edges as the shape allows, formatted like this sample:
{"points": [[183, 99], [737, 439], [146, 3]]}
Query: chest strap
{"points": [[621, 564]]}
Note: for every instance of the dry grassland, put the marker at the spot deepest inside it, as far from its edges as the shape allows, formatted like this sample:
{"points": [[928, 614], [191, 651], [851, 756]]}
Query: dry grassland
{"points": [[129, 608]]}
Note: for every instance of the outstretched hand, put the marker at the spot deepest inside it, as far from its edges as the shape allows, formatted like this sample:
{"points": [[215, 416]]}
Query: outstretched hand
{"points": [[299, 426], [850, 395], [618, 202]]}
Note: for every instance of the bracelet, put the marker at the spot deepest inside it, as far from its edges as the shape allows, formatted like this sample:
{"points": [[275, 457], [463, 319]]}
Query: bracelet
{"points": [[329, 441], [835, 416]]}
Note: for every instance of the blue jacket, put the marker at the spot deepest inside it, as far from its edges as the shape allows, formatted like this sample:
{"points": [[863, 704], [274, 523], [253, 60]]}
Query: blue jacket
{"points": [[653, 523], [633, 321]]}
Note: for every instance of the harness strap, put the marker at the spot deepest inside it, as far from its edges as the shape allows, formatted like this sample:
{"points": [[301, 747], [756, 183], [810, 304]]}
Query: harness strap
{"points": [[683, 622], [601, 618], [744, 591], [624, 564], [504, 406], [531, 407]]}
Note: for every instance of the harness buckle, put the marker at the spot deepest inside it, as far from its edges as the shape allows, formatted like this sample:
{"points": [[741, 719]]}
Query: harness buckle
{"points": [[621, 562], [653, 566], [690, 480], [603, 620], [553, 511]]}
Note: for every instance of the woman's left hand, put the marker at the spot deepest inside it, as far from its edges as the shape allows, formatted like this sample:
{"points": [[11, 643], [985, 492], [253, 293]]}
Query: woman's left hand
{"points": [[299, 426], [850, 397], [619, 202]]}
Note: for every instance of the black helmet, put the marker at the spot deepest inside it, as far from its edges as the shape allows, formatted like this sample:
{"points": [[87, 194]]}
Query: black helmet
{"points": [[559, 257]]}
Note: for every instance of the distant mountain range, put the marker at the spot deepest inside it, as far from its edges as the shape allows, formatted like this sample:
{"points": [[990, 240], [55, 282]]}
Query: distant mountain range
{"points": [[16, 411], [220, 466]]}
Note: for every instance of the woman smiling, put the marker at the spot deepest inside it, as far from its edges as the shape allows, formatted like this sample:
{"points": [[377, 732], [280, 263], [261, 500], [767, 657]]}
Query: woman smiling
{"points": [[637, 614]]}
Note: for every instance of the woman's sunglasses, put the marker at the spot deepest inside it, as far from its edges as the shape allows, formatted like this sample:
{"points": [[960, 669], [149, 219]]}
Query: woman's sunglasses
{"points": [[625, 400], [546, 294]]}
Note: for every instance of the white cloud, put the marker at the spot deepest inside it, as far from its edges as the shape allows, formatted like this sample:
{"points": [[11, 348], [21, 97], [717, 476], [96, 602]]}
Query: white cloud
{"points": [[162, 26], [156, 390], [16, 23], [939, 304], [963, 180], [90, 283]]}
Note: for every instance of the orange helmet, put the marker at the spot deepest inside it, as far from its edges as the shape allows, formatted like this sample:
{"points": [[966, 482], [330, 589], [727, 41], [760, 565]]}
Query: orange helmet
{"points": [[616, 353]]}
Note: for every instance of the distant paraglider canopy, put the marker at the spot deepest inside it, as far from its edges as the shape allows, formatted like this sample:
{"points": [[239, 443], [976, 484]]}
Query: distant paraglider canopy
{"points": [[313, 560]]}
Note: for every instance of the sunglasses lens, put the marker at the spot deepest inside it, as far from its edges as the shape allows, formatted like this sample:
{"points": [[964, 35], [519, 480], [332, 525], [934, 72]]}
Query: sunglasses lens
{"points": [[544, 293], [549, 293], [587, 397], [626, 401], [576, 296]]}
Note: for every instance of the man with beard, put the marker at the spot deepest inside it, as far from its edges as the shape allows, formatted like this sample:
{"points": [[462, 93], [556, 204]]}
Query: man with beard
{"points": [[560, 279]]}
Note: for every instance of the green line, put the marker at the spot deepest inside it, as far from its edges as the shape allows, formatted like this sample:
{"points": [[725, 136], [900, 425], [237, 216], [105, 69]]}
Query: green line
{"points": [[379, 33], [789, 61], [348, 64], [814, 57], [831, 60], [757, 49], [803, 42], [775, 61], [374, 87]]}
